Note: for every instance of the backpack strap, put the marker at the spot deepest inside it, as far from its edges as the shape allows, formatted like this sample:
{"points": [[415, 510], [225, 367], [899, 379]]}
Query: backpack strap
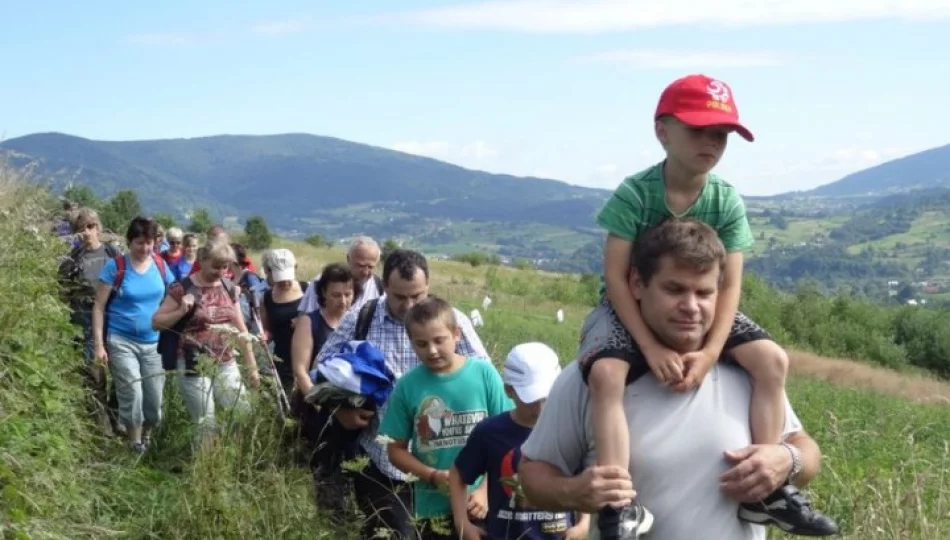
{"points": [[365, 319], [119, 272], [160, 263], [229, 288], [111, 251], [188, 287]]}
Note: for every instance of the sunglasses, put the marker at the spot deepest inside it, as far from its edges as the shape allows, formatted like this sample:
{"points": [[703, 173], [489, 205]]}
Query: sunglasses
{"points": [[91, 226]]}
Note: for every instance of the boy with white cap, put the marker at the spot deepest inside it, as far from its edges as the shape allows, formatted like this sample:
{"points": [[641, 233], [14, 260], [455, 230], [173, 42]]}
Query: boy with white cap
{"points": [[494, 448]]}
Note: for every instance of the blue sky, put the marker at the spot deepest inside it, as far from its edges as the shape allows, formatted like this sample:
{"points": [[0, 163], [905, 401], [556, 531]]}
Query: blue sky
{"points": [[562, 89]]}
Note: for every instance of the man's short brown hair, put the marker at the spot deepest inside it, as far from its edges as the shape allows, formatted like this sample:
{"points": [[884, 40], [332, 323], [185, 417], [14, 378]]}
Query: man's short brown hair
{"points": [[690, 242]]}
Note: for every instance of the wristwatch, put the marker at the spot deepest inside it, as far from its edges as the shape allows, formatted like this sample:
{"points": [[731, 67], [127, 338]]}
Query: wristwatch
{"points": [[796, 461]]}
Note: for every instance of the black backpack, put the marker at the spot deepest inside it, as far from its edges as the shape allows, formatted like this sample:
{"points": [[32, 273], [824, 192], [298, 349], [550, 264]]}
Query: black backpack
{"points": [[365, 319], [169, 339]]}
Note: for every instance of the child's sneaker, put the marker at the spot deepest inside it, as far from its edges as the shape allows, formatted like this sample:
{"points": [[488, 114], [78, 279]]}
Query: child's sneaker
{"points": [[626, 523], [789, 510]]}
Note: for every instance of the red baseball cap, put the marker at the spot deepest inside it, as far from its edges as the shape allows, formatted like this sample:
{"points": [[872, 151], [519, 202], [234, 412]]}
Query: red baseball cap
{"points": [[700, 101]]}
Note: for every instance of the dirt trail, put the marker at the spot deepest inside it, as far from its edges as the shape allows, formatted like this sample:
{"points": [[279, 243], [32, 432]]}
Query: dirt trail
{"points": [[861, 375]]}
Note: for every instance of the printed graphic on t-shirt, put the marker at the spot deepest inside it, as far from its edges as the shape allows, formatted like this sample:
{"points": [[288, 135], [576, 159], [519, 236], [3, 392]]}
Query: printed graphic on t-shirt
{"points": [[437, 426], [519, 508]]}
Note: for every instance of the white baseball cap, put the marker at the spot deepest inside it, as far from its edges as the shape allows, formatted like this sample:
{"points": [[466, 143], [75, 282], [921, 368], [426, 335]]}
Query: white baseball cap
{"points": [[282, 265], [531, 369]]}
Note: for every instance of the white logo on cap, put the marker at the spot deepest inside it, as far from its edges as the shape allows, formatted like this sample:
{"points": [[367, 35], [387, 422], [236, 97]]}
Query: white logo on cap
{"points": [[718, 90]]}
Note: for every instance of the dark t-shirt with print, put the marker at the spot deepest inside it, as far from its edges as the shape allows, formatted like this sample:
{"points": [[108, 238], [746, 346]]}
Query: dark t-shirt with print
{"points": [[494, 447], [80, 272]]}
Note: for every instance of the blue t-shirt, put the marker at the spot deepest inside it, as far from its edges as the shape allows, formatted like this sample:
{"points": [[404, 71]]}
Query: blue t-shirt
{"points": [[494, 447], [129, 314], [436, 413], [181, 268]]}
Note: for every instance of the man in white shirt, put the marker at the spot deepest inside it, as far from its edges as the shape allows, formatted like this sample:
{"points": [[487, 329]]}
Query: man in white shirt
{"points": [[691, 459], [362, 258]]}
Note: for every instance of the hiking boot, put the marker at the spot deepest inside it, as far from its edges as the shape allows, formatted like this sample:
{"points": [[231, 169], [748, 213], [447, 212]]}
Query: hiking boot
{"points": [[138, 447], [788, 509], [626, 523]]}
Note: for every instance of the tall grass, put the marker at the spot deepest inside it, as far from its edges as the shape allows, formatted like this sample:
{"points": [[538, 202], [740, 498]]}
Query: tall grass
{"points": [[44, 437], [59, 480]]}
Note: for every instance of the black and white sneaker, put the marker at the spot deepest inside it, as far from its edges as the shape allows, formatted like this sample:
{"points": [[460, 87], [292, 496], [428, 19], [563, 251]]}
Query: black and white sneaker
{"points": [[788, 509], [627, 523]]}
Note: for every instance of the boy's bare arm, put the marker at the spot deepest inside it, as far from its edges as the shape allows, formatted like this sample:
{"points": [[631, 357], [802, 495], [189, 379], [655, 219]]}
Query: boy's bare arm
{"points": [[402, 459], [458, 494], [726, 305], [617, 264]]}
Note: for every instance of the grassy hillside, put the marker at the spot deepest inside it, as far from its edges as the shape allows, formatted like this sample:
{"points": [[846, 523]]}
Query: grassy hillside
{"points": [[885, 452], [903, 238]]}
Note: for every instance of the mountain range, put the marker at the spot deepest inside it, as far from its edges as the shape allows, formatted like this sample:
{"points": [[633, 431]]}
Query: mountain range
{"points": [[304, 184]]}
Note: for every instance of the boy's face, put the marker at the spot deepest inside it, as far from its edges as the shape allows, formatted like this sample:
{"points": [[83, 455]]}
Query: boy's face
{"points": [[528, 412], [89, 231], [434, 344], [696, 149]]}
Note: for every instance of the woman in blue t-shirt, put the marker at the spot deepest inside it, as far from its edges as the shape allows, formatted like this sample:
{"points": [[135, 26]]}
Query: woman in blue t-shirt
{"points": [[123, 334]]}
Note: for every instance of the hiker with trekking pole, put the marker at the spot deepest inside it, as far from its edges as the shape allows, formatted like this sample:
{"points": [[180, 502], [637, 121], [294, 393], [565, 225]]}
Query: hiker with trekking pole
{"points": [[278, 310], [200, 319], [282, 400]]}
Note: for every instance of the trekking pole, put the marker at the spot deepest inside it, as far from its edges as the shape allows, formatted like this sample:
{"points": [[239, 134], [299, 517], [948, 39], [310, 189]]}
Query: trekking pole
{"points": [[281, 395]]}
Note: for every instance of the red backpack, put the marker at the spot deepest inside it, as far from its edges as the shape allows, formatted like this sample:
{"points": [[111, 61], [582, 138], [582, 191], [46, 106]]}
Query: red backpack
{"points": [[120, 271]]}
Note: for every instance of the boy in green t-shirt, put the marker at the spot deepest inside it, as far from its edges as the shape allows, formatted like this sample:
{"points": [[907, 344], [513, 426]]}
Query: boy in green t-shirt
{"points": [[435, 406], [693, 120]]}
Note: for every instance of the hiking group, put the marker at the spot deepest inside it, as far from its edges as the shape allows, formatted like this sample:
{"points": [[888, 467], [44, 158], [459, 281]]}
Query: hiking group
{"points": [[671, 423]]}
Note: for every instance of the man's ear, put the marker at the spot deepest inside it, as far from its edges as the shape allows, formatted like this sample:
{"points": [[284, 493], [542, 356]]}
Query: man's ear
{"points": [[636, 285]]}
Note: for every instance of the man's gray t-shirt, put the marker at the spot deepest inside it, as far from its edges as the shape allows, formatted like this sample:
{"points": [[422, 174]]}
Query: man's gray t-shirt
{"points": [[82, 287], [92, 262], [676, 447]]}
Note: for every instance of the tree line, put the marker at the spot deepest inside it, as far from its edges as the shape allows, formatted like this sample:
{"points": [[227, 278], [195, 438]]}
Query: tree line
{"points": [[116, 212]]}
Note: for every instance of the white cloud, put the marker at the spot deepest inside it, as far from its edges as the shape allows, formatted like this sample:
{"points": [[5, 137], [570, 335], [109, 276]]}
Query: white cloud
{"points": [[857, 158], [478, 150], [468, 153], [671, 59], [423, 148], [598, 16], [609, 169]]}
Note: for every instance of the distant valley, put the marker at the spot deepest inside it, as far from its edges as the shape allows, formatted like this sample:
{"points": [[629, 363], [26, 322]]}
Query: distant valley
{"points": [[889, 223]]}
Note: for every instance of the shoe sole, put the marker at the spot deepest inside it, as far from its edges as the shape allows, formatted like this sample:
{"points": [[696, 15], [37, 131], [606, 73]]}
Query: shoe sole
{"points": [[645, 525], [761, 518]]}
